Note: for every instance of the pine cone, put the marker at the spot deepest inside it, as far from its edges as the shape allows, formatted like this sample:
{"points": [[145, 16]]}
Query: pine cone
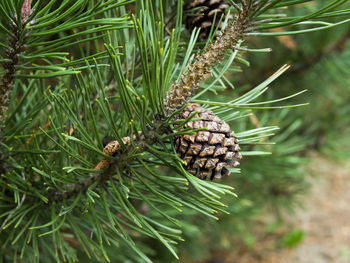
{"points": [[203, 14], [207, 153]]}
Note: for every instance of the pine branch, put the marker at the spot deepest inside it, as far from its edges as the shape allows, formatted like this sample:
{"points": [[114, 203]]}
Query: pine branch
{"points": [[16, 44], [32, 48], [119, 154], [119, 159], [61, 181], [178, 95]]}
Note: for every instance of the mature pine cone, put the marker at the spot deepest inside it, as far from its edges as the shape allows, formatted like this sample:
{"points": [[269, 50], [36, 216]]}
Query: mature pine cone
{"points": [[207, 153], [203, 14]]}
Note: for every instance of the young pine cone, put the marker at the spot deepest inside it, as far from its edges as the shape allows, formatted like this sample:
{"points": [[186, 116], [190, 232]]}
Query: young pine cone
{"points": [[203, 14], [207, 153]]}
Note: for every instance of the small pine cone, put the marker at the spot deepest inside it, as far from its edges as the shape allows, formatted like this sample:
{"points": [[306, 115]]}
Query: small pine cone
{"points": [[203, 14], [207, 153]]}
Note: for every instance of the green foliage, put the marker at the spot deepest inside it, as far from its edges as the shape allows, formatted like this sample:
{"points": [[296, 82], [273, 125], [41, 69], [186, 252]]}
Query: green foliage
{"points": [[53, 28], [293, 238], [91, 69]]}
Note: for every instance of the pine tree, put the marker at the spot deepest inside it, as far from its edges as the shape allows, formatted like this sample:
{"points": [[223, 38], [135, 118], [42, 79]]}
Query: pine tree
{"points": [[76, 73]]}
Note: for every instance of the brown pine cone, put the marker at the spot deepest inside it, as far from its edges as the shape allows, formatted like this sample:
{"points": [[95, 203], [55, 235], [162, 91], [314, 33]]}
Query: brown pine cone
{"points": [[207, 153], [202, 14]]}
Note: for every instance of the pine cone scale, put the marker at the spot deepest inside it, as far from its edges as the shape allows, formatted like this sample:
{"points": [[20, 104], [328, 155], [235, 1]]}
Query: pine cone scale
{"points": [[203, 13], [209, 152]]}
